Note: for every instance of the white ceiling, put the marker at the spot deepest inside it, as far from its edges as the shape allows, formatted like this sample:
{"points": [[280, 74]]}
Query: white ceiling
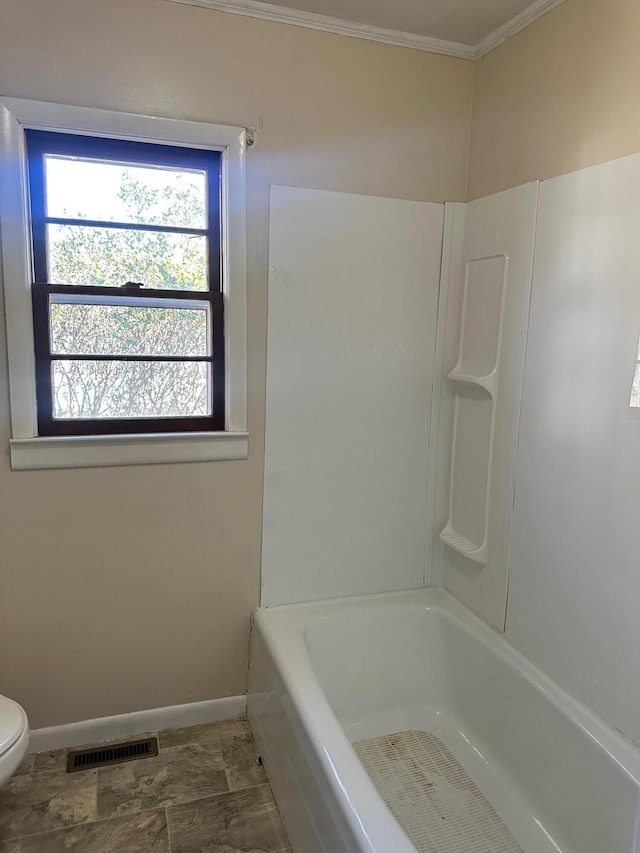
{"points": [[465, 21]]}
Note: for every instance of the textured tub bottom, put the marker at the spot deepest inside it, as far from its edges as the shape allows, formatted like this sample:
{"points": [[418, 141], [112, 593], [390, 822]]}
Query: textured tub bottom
{"points": [[432, 797]]}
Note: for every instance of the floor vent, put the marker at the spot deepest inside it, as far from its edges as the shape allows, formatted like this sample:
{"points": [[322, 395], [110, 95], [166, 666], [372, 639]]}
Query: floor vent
{"points": [[111, 753]]}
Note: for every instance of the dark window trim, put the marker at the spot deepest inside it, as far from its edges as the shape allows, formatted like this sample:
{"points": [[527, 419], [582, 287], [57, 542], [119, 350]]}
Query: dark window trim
{"points": [[40, 143]]}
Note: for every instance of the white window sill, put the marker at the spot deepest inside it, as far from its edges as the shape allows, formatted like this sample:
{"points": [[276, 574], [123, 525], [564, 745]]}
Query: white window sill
{"points": [[100, 451]]}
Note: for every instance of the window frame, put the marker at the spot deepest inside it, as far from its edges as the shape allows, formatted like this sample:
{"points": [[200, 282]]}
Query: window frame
{"points": [[30, 450], [39, 145]]}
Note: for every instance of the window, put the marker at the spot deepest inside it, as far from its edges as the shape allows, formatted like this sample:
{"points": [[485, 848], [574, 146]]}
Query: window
{"points": [[127, 305], [123, 266]]}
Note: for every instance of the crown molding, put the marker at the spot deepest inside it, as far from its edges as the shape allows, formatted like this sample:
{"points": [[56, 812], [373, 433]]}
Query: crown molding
{"points": [[530, 14], [354, 29], [328, 24]]}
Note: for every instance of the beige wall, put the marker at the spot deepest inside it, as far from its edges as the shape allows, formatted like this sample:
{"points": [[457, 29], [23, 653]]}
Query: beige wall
{"points": [[129, 588], [559, 96]]}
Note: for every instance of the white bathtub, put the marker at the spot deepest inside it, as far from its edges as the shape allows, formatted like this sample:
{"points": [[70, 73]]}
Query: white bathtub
{"points": [[325, 675]]}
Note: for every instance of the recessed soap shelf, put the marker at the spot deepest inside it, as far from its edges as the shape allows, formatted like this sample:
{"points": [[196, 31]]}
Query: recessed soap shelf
{"points": [[488, 383], [475, 552]]}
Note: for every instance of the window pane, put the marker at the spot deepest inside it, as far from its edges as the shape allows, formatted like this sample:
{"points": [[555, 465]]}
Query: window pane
{"points": [[125, 389], [128, 330], [79, 254], [120, 192]]}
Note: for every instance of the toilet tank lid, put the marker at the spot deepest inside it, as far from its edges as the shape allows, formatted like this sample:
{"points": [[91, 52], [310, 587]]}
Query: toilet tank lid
{"points": [[12, 723]]}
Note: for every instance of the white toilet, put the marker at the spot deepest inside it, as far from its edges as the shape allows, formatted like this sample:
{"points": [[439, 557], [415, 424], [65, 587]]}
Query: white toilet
{"points": [[14, 737]]}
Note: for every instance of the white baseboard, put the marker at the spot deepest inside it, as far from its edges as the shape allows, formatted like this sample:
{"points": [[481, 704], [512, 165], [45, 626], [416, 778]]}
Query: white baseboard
{"points": [[137, 723]]}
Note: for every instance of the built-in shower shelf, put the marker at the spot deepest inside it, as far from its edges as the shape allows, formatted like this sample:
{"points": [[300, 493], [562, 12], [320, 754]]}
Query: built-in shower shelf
{"points": [[470, 550], [475, 384], [487, 383]]}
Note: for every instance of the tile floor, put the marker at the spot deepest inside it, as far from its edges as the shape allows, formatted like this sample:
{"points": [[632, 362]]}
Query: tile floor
{"points": [[203, 793]]}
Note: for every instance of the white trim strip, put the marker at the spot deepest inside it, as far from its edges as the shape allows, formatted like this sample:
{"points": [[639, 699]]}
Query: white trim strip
{"points": [[329, 24], [530, 14], [137, 723], [106, 451], [355, 29], [43, 115], [15, 267], [234, 281], [452, 238]]}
